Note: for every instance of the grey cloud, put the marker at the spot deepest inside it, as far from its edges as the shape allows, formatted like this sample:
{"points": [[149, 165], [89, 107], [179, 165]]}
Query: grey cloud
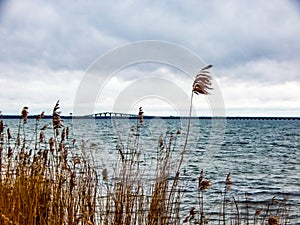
{"points": [[265, 71], [73, 35], [42, 34]]}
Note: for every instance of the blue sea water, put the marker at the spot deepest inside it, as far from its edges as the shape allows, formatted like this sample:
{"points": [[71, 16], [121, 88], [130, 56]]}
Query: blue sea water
{"points": [[263, 157]]}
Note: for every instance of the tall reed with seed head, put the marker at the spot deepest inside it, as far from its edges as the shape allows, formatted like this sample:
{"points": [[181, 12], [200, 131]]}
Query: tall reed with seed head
{"points": [[201, 85], [24, 117]]}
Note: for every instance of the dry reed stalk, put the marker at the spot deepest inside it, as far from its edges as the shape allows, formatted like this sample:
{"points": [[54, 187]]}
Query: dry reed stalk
{"points": [[238, 221], [203, 185], [228, 184]]}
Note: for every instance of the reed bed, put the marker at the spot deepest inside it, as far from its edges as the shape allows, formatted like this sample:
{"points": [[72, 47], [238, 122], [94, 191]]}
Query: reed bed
{"points": [[51, 180], [44, 182]]}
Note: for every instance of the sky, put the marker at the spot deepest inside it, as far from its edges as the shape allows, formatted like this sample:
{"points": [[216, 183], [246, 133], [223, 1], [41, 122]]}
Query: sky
{"points": [[48, 47]]}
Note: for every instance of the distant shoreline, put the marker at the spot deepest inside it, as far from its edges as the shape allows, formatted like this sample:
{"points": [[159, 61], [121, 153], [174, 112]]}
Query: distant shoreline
{"points": [[161, 117]]}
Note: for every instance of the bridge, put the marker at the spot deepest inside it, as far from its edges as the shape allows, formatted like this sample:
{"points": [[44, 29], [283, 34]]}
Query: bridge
{"points": [[116, 114]]}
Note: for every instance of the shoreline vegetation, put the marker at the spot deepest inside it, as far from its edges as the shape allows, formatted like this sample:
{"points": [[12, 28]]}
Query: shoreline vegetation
{"points": [[52, 180]]}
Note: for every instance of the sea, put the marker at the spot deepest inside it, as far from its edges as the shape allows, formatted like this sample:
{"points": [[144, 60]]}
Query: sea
{"points": [[261, 155]]}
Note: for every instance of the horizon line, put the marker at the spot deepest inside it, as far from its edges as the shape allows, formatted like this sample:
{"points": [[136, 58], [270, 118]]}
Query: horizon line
{"points": [[162, 117]]}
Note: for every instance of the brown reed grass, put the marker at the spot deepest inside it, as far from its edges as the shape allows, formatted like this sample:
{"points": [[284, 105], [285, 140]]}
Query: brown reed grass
{"points": [[44, 184], [55, 183], [52, 185]]}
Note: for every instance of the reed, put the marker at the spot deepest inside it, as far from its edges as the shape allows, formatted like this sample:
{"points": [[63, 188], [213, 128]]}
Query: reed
{"points": [[43, 182]]}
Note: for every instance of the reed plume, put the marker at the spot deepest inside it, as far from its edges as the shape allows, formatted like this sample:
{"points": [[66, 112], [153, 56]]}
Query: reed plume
{"points": [[40, 116], [56, 120], [274, 220], [201, 85], [24, 114], [141, 117]]}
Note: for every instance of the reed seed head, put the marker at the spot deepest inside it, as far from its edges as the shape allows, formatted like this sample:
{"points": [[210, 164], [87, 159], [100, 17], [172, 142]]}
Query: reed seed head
{"points": [[8, 134], [24, 114], [202, 81], [258, 212], [40, 116], [274, 220], [56, 120], [205, 184], [141, 117], [45, 127]]}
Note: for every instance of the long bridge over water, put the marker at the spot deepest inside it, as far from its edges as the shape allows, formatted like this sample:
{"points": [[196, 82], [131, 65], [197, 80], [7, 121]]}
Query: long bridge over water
{"points": [[116, 114]]}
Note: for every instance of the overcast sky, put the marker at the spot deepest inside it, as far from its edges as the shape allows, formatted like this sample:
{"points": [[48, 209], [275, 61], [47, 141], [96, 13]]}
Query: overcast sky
{"points": [[46, 48]]}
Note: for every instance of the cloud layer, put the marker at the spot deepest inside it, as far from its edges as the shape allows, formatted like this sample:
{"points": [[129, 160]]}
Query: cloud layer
{"points": [[46, 47]]}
